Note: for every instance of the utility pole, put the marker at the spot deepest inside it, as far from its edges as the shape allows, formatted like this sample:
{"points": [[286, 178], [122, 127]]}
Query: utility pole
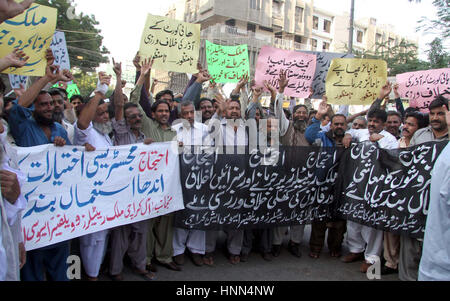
{"points": [[352, 19]]}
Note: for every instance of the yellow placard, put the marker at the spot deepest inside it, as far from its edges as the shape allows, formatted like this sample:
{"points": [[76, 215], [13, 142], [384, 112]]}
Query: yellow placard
{"points": [[355, 81], [32, 32], [174, 45]]}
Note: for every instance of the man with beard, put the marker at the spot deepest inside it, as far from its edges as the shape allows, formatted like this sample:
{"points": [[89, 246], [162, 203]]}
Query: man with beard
{"points": [[32, 127], [332, 138], [160, 232], [93, 127], [394, 121], [411, 248], [366, 242], [413, 122], [292, 133], [191, 136], [58, 113], [130, 238]]}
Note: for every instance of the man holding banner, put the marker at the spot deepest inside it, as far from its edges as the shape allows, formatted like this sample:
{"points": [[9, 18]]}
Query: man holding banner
{"points": [[411, 248], [366, 242], [93, 128]]}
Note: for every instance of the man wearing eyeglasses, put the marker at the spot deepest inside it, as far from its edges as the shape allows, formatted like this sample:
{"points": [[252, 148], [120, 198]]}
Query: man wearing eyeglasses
{"points": [[127, 125]]}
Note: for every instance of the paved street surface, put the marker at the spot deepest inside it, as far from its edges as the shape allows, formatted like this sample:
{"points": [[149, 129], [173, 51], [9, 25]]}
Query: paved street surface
{"points": [[286, 267]]}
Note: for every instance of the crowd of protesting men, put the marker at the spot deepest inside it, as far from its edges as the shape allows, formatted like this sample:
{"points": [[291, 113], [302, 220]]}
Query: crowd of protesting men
{"points": [[44, 115]]}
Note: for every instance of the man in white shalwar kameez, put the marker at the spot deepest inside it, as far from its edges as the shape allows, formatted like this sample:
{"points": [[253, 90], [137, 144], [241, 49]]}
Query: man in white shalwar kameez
{"points": [[93, 128], [365, 242]]}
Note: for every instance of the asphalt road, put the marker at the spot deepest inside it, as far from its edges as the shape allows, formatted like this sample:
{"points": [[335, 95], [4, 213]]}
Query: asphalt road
{"points": [[286, 267]]}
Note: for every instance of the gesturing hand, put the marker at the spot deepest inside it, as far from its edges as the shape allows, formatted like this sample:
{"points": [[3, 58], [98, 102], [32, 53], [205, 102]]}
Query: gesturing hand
{"points": [[385, 90], [283, 81], [117, 68], [147, 65], [10, 8], [137, 62], [17, 58]]}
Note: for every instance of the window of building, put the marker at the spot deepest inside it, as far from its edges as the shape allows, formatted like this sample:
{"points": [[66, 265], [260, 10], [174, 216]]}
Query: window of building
{"points": [[255, 4], [230, 22], [266, 28], [315, 22], [313, 44], [326, 46], [279, 35], [276, 8], [359, 36], [251, 27], [298, 39], [327, 26], [299, 14], [378, 38]]}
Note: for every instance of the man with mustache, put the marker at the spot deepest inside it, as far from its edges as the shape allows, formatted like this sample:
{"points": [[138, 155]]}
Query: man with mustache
{"points": [[132, 238], [413, 122], [160, 231], [207, 108], [394, 121], [292, 133], [411, 248], [233, 136], [58, 113], [93, 127], [332, 138], [32, 124], [191, 136], [365, 242], [435, 264]]}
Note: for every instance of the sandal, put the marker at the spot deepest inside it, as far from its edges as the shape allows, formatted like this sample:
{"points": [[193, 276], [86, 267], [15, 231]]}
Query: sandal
{"points": [[208, 259], [146, 275], [314, 255]]}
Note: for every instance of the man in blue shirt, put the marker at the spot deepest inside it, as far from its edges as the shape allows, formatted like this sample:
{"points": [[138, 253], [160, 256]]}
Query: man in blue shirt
{"points": [[31, 127], [331, 139]]}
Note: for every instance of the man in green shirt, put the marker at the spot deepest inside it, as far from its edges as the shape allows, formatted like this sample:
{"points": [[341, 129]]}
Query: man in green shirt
{"points": [[160, 235]]}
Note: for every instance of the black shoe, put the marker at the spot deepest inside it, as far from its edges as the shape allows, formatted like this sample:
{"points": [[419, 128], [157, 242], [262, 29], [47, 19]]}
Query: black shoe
{"points": [[387, 270], [294, 248], [276, 250]]}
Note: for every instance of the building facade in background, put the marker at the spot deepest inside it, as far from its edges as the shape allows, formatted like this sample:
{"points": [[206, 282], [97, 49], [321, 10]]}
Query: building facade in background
{"points": [[286, 24]]}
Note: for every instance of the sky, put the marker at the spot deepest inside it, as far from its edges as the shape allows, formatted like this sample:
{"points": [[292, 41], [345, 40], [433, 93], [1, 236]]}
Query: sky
{"points": [[122, 22]]}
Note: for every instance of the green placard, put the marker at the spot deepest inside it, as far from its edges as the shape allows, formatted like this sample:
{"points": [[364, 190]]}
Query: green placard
{"points": [[227, 64], [72, 89]]}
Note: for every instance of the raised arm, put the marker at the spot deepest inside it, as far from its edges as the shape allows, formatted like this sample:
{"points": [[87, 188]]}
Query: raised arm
{"points": [[194, 91], [10, 8], [52, 73], [279, 112], [17, 59], [398, 102], [118, 95], [89, 111], [384, 92], [312, 132]]}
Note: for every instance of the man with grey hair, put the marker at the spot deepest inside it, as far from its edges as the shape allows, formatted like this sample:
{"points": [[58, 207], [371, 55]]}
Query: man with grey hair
{"points": [[359, 123], [93, 127], [190, 136]]}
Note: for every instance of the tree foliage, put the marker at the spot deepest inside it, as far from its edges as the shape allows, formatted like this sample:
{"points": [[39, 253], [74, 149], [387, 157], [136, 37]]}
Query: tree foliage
{"points": [[439, 25], [437, 56], [400, 58], [84, 41]]}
